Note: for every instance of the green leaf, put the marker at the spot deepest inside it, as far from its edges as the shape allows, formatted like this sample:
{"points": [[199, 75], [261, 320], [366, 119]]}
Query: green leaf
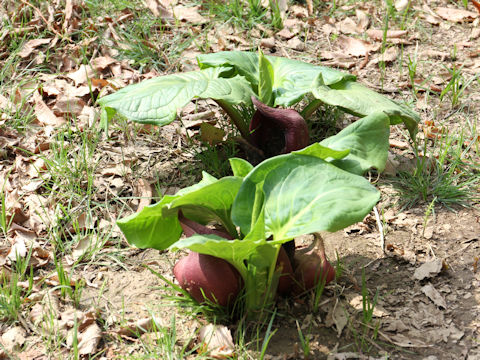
{"points": [[149, 228], [157, 226], [292, 79], [240, 167], [367, 140], [156, 101], [266, 78], [303, 194], [212, 202], [361, 101], [323, 152], [307, 194]]}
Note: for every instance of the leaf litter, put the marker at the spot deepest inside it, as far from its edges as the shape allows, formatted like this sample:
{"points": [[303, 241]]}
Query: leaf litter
{"points": [[414, 315]]}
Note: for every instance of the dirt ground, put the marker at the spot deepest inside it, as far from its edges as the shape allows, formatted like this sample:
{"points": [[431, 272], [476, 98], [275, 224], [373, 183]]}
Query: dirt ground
{"points": [[424, 268]]}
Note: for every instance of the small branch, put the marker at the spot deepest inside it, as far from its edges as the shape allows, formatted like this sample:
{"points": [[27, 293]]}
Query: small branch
{"points": [[380, 229]]}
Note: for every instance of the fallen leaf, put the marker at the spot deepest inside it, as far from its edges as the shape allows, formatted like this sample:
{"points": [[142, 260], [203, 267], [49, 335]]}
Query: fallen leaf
{"points": [[44, 114], [347, 26], [14, 338], [390, 55], [428, 269], [140, 327], [434, 295], [337, 316], [401, 5], [68, 105], [285, 34], [377, 34], [476, 4], [89, 339], [356, 47], [211, 134], [357, 303], [143, 190], [189, 14], [296, 44], [81, 75], [30, 46], [216, 341], [362, 20], [456, 15], [403, 341]]}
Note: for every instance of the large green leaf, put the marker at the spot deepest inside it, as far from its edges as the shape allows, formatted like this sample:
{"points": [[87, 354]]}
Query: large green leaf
{"points": [[360, 100], [149, 228], [240, 167], [266, 78], [157, 226], [367, 140], [307, 194], [212, 202], [303, 194], [156, 101], [292, 79]]}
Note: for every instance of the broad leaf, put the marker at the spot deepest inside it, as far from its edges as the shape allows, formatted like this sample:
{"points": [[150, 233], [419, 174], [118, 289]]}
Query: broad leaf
{"points": [[157, 226], [292, 79], [210, 203], [323, 152], [360, 100], [303, 194], [240, 167], [156, 101], [149, 228], [265, 80], [367, 140]]}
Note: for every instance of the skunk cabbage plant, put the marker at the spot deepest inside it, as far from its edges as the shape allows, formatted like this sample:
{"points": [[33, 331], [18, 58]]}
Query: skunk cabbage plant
{"points": [[304, 190], [233, 78]]}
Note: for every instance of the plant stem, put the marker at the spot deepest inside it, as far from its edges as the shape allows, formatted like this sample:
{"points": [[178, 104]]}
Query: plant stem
{"points": [[311, 108], [236, 118]]}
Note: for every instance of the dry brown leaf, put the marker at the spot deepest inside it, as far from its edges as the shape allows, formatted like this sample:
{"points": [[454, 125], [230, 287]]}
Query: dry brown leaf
{"points": [[14, 338], [401, 5], [102, 62], [44, 115], [189, 14], [144, 191], [377, 34], [81, 75], [67, 105], [159, 9], [337, 316], [140, 327], [67, 13], [391, 54], [428, 269], [298, 11], [456, 15], [296, 44], [89, 339], [347, 26], [362, 20], [31, 45], [356, 47], [434, 295], [216, 341], [210, 133], [476, 4]]}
